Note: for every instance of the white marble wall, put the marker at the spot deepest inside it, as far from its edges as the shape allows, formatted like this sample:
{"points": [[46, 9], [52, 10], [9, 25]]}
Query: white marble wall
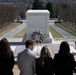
{"points": [[37, 20]]}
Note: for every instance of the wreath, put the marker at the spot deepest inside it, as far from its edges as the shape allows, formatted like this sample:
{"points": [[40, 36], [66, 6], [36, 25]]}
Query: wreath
{"points": [[37, 36]]}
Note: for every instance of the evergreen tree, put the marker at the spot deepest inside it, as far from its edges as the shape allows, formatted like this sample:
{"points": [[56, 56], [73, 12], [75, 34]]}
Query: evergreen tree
{"points": [[37, 4], [22, 14], [50, 7]]}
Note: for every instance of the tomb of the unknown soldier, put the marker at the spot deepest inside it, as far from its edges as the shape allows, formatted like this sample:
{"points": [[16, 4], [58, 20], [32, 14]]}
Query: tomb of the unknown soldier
{"points": [[38, 20]]}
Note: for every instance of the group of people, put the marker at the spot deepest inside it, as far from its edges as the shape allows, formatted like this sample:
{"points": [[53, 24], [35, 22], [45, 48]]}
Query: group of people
{"points": [[63, 62]]}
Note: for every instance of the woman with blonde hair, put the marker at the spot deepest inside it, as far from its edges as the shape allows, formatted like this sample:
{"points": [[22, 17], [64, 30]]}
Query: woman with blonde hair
{"points": [[6, 58], [44, 64]]}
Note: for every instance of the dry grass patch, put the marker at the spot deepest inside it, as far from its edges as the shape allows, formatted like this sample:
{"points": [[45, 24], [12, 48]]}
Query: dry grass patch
{"points": [[9, 28], [66, 29], [20, 34], [55, 34]]}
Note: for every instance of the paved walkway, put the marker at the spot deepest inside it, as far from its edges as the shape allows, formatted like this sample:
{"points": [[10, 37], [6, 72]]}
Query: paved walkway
{"points": [[64, 33], [13, 32]]}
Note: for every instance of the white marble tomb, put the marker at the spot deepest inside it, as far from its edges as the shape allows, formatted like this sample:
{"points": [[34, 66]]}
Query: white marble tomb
{"points": [[38, 20]]}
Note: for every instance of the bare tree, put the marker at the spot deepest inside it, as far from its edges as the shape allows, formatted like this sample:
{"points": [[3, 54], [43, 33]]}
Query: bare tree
{"points": [[7, 15], [66, 12]]}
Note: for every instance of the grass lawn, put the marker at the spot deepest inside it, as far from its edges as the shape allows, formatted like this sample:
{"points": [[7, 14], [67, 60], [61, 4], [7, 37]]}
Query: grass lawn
{"points": [[55, 34], [9, 28], [20, 34], [66, 29]]}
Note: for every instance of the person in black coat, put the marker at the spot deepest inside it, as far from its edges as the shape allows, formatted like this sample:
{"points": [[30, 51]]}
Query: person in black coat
{"points": [[44, 64], [6, 58], [64, 61]]}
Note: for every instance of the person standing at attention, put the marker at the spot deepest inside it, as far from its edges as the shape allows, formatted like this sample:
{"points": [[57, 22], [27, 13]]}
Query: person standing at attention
{"points": [[26, 59], [6, 58]]}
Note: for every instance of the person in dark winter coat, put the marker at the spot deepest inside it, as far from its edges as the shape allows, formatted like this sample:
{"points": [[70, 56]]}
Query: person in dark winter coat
{"points": [[64, 61]]}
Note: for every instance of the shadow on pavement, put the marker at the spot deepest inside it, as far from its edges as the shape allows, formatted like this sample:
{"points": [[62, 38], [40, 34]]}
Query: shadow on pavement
{"points": [[16, 43]]}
